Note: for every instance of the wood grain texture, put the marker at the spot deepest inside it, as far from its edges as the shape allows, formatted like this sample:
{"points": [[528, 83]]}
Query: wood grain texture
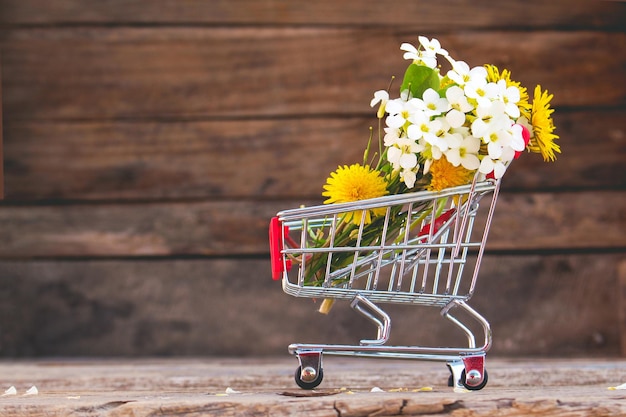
{"points": [[232, 307], [621, 277], [147, 144], [252, 159], [260, 159], [1, 146], [264, 387], [422, 16], [105, 73], [528, 222]]}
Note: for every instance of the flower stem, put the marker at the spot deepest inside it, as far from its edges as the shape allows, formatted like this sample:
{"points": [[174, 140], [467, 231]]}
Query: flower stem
{"points": [[326, 305]]}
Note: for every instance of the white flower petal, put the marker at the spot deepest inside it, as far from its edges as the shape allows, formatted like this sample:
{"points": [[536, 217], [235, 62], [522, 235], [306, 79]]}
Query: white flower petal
{"points": [[414, 132], [427, 165], [393, 155], [486, 166], [395, 121], [454, 157], [395, 106], [408, 47], [391, 136], [512, 110], [494, 149], [409, 178], [408, 161], [508, 154], [455, 118], [498, 170], [471, 144], [379, 96], [470, 161]]}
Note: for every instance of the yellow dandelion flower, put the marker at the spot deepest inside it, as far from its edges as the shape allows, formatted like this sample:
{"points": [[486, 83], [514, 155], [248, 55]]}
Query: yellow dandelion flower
{"points": [[445, 175], [494, 75], [543, 127], [353, 183]]}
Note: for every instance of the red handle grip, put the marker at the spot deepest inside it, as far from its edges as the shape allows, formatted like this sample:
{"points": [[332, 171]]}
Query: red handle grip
{"points": [[276, 247]]}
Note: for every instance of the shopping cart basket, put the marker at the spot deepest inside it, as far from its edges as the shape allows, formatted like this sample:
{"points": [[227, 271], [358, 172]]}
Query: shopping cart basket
{"points": [[417, 257]]}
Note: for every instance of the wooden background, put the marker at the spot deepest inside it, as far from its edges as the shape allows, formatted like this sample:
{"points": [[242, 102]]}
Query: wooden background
{"points": [[147, 144]]}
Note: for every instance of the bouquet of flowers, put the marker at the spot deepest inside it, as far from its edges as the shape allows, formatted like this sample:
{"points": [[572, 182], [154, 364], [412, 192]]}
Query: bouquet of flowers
{"points": [[443, 130]]}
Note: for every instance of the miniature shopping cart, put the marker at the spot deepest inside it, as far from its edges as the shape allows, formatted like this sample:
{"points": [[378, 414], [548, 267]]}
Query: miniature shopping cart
{"points": [[413, 252]]}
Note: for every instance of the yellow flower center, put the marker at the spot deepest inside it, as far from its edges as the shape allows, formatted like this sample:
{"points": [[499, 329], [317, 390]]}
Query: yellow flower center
{"points": [[445, 175], [353, 183]]}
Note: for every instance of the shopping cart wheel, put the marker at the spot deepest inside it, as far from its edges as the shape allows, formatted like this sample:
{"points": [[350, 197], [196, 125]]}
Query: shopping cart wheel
{"points": [[313, 378], [480, 386]]}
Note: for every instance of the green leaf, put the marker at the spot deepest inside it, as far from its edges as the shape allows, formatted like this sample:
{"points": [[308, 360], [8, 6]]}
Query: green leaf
{"points": [[418, 79]]}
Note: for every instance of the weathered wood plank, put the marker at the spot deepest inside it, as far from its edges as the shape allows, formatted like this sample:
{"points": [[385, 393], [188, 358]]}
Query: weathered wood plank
{"points": [[1, 146], [221, 104], [282, 158], [621, 281], [421, 15], [576, 220], [530, 221], [255, 159], [195, 386], [102, 73], [232, 307], [593, 145], [140, 387], [211, 228]]}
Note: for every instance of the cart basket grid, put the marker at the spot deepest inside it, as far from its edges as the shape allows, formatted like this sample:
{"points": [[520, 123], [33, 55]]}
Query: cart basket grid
{"points": [[413, 250]]}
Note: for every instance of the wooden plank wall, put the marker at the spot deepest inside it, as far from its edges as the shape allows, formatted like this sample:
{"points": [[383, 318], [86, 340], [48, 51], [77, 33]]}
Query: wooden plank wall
{"points": [[147, 143], [1, 148]]}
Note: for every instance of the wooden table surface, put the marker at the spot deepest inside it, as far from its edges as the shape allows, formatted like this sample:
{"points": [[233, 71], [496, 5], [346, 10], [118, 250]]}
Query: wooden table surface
{"points": [[262, 387]]}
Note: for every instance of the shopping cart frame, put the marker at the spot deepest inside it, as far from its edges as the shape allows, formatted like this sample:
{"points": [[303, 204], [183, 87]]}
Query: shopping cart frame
{"points": [[467, 363]]}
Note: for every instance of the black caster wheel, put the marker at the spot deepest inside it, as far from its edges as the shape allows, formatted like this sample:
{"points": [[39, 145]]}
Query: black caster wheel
{"points": [[474, 387], [314, 382]]}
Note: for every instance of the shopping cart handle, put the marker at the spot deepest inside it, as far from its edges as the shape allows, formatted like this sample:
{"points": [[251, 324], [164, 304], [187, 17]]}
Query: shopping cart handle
{"points": [[276, 247]]}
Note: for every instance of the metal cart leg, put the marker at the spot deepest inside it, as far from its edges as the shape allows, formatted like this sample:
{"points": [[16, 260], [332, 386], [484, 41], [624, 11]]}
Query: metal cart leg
{"points": [[383, 324], [445, 312]]}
